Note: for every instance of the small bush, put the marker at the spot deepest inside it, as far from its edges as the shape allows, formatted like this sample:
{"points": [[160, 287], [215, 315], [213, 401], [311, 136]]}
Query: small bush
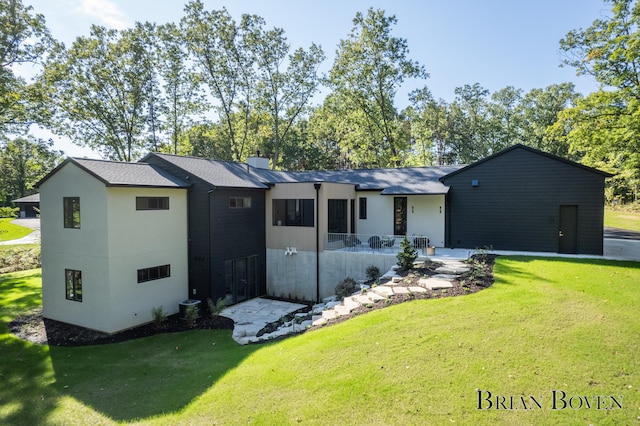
{"points": [[407, 254], [345, 288], [10, 212], [158, 315], [217, 307], [373, 272]]}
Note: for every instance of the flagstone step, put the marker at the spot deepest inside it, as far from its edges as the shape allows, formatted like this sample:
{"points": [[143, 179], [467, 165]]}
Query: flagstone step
{"points": [[435, 283]]}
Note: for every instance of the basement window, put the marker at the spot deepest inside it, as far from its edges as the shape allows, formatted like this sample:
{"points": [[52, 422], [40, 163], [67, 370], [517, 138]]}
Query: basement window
{"points": [[73, 284], [154, 273]]}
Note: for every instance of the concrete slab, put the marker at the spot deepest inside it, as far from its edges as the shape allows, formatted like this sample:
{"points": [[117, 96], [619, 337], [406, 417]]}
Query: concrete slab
{"points": [[415, 289], [401, 290]]}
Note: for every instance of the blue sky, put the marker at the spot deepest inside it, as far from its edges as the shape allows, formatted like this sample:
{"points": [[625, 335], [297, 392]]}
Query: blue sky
{"points": [[496, 43]]}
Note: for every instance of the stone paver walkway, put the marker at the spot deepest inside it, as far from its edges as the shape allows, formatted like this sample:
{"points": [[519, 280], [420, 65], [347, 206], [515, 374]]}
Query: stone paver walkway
{"points": [[253, 315], [394, 285]]}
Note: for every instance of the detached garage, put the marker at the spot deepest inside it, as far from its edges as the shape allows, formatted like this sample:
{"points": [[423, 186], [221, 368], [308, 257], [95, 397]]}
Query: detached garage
{"points": [[525, 199]]}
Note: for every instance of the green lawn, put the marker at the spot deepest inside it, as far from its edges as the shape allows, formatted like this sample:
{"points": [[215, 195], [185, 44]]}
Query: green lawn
{"points": [[623, 219], [546, 324], [9, 231]]}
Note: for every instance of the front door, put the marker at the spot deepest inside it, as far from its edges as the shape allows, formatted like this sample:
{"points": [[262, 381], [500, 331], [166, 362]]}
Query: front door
{"points": [[399, 215], [568, 232]]}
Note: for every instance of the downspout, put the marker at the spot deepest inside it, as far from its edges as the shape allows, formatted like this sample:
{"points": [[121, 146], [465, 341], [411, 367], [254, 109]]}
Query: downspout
{"points": [[209, 193], [317, 186]]}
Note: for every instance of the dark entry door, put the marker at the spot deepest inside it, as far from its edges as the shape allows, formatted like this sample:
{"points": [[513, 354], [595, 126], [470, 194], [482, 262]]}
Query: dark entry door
{"points": [[568, 232], [399, 215]]}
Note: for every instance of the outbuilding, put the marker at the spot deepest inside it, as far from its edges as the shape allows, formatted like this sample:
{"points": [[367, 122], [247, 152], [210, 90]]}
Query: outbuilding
{"points": [[525, 199]]}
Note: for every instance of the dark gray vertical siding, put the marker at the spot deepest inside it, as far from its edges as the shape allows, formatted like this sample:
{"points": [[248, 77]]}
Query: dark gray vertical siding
{"points": [[237, 233], [517, 201]]}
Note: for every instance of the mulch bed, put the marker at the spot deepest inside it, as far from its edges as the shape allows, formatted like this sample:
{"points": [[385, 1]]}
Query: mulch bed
{"points": [[32, 327], [463, 285]]}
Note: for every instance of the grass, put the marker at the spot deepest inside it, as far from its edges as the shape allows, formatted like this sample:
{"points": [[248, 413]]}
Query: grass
{"points": [[9, 231], [546, 324], [623, 219]]}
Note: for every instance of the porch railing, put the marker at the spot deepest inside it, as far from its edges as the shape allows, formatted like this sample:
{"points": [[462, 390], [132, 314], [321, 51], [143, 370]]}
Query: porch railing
{"points": [[372, 242]]}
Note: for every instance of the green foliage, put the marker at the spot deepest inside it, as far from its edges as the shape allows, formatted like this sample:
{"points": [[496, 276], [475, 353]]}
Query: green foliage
{"points": [[25, 38], [407, 254], [23, 162], [100, 88], [215, 307], [19, 258], [603, 127], [373, 272], [9, 212], [159, 316], [345, 288], [369, 67]]}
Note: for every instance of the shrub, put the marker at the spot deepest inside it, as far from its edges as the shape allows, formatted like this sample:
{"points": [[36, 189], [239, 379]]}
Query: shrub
{"points": [[345, 288], [11, 212], [407, 254], [217, 307], [158, 315], [373, 272], [19, 259]]}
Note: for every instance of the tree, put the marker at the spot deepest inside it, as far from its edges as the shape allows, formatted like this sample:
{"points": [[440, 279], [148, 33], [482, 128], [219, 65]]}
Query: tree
{"points": [[284, 94], [369, 68], [540, 109], [24, 38], [219, 48], [469, 121], [100, 88], [182, 98], [23, 162], [604, 125]]}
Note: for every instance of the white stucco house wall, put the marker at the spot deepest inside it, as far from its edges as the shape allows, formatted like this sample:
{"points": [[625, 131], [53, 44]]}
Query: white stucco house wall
{"points": [[114, 243]]}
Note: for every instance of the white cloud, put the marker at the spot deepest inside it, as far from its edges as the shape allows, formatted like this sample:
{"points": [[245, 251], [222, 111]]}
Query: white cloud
{"points": [[107, 12]]}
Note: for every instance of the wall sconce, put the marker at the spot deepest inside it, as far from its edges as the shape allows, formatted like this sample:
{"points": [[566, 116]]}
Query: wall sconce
{"points": [[440, 209], [411, 209]]}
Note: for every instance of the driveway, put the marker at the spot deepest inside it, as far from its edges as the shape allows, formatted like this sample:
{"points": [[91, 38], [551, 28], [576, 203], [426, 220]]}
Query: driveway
{"points": [[32, 238]]}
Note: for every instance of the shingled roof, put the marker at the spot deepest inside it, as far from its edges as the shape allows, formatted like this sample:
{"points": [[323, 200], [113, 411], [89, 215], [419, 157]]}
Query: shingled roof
{"points": [[399, 181], [116, 173], [219, 173]]}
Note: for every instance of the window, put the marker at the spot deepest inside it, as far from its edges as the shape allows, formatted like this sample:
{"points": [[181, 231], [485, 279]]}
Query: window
{"points": [[337, 216], [154, 273], [363, 208], [293, 212], [152, 203], [240, 202], [71, 212], [73, 284]]}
